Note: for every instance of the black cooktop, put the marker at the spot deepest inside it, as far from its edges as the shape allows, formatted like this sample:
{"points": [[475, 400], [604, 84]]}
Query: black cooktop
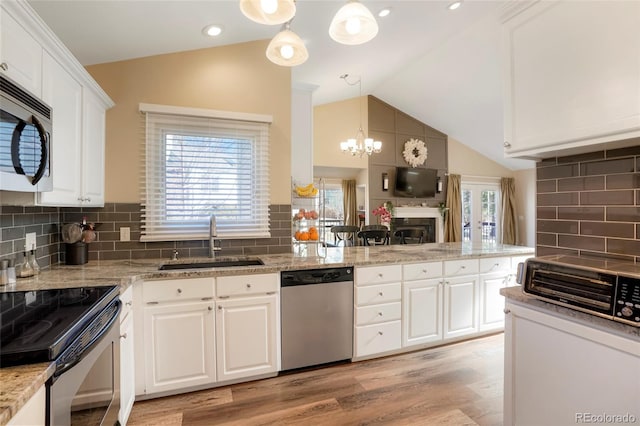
{"points": [[36, 326]]}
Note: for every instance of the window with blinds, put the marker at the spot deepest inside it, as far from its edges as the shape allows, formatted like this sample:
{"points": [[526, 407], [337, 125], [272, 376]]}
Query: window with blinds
{"points": [[198, 165]]}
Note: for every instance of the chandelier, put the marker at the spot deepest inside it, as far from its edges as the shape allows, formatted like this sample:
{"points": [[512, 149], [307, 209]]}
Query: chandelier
{"points": [[360, 145], [353, 24]]}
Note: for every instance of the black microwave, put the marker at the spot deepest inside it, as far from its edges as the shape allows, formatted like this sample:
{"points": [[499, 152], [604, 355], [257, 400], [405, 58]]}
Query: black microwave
{"points": [[25, 140]]}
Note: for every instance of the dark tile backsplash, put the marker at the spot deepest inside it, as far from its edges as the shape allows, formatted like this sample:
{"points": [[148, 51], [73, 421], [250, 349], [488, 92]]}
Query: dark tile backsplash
{"points": [[590, 204], [46, 222]]}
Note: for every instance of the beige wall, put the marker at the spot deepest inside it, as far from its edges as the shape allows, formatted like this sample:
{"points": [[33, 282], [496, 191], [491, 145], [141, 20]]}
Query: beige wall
{"points": [[467, 162], [334, 123], [235, 78]]}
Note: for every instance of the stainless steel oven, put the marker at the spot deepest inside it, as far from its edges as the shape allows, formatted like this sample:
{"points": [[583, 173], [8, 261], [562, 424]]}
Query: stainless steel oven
{"points": [[25, 140], [78, 329]]}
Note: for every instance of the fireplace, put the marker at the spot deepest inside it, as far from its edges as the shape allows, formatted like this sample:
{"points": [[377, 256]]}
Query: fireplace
{"points": [[429, 217], [428, 223]]}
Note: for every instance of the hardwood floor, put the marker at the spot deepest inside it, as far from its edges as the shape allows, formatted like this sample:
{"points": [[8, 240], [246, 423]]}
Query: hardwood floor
{"points": [[457, 384]]}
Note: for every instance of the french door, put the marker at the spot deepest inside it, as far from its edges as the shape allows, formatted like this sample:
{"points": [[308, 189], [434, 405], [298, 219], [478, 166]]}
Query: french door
{"points": [[481, 212]]}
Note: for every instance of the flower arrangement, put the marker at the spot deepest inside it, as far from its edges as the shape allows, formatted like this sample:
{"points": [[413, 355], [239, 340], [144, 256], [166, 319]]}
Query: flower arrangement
{"points": [[384, 212], [415, 152]]}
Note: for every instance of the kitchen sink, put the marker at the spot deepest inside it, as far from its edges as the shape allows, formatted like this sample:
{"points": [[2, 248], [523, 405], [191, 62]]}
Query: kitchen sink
{"points": [[211, 264]]}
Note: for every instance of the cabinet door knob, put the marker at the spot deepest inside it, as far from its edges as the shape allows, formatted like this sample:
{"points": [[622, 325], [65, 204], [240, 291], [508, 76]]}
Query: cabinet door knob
{"points": [[88, 199], [129, 303], [220, 307], [507, 311], [179, 290], [123, 336], [380, 333], [210, 308], [379, 275], [507, 144], [379, 314], [248, 285], [4, 66], [380, 294]]}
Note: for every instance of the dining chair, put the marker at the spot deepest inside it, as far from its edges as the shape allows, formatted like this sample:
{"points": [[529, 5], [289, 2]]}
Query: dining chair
{"points": [[344, 235], [410, 235], [374, 237], [374, 227]]}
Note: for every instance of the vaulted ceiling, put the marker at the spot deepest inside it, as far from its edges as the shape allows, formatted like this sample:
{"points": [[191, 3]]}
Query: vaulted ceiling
{"points": [[440, 66]]}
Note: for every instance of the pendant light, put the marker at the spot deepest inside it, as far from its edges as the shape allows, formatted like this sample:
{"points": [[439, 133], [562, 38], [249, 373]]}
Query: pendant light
{"points": [[360, 145], [268, 12], [353, 24], [287, 48]]}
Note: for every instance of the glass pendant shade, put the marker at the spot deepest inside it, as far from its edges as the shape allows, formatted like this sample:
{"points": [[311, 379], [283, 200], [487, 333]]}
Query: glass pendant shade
{"points": [[353, 24], [268, 12], [287, 49]]}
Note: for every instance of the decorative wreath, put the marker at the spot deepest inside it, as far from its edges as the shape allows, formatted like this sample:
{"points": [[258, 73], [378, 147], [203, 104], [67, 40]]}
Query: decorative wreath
{"points": [[415, 153]]}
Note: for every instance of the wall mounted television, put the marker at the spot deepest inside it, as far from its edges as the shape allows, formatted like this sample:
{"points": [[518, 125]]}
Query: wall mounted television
{"points": [[415, 183]]}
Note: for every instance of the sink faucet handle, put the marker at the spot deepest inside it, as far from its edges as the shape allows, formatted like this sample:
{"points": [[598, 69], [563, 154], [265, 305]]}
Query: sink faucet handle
{"points": [[174, 256]]}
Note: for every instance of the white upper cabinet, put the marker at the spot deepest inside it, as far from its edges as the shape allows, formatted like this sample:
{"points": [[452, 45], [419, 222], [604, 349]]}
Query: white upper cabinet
{"points": [[34, 57], [572, 77], [20, 55]]}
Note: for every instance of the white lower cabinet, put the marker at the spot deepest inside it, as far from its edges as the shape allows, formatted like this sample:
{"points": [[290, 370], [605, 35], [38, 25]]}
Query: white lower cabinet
{"points": [[460, 306], [559, 370], [178, 333], [246, 341], [127, 357], [378, 310], [198, 332], [33, 412], [422, 307], [180, 346], [491, 301]]}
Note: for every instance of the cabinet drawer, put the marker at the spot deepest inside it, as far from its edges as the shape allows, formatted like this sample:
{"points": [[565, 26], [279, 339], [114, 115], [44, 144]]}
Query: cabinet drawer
{"points": [[177, 290], [420, 271], [371, 295], [378, 274], [126, 298], [378, 338], [378, 313], [245, 285], [460, 267], [495, 264]]}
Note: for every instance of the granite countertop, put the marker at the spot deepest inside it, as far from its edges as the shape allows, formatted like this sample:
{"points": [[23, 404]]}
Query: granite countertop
{"points": [[21, 382]]}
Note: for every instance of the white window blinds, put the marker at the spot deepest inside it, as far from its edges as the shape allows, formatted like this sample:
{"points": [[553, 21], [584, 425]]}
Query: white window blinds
{"points": [[198, 166]]}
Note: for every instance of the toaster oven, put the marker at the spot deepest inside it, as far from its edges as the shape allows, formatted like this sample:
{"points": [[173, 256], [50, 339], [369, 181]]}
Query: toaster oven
{"points": [[607, 288]]}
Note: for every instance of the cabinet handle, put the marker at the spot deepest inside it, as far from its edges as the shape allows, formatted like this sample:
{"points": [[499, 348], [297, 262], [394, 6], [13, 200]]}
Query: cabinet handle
{"points": [[463, 267], [206, 298], [507, 144], [210, 308], [380, 294], [269, 293], [88, 199], [219, 307], [506, 311], [380, 333], [179, 290], [4, 66], [129, 303], [379, 314], [123, 336], [424, 271], [152, 303], [248, 285], [380, 275]]}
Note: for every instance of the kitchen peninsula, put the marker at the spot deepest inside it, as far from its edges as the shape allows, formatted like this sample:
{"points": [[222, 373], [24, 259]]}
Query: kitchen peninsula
{"points": [[477, 273]]}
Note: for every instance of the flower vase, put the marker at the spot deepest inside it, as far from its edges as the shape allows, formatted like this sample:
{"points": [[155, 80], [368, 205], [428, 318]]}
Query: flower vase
{"points": [[386, 223]]}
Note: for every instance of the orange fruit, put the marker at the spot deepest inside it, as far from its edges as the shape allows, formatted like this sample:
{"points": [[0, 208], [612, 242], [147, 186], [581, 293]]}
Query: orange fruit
{"points": [[304, 236]]}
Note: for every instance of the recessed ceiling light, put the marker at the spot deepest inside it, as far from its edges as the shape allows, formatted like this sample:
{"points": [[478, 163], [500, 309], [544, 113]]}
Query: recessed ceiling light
{"points": [[384, 12], [212, 30], [455, 5]]}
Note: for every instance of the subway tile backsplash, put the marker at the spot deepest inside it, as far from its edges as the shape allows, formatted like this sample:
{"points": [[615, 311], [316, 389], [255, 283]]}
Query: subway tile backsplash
{"points": [[46, 222], [590, 204]]}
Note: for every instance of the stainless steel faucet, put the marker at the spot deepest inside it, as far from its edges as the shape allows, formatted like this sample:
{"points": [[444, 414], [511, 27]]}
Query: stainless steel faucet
{"points": [[213, 234]]}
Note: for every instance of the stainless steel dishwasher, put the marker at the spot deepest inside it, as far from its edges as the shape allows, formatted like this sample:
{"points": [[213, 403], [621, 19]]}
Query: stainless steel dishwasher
{"points": [[316, 316]]}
